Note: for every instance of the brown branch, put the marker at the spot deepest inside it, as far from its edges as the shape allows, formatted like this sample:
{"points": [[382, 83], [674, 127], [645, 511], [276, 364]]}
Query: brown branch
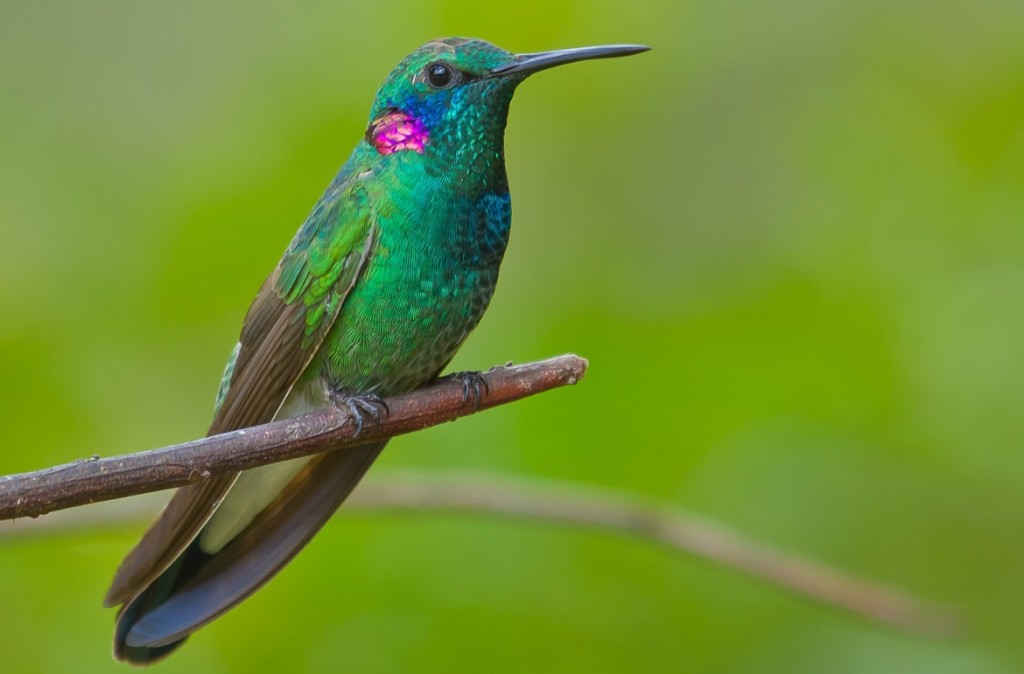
{"points": [[96, 479], [672, 526], [91, 480], [416, 492]]}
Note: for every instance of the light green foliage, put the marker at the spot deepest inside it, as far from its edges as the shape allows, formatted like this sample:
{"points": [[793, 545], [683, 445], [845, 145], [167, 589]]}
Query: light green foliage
{"points": [[789, 240]]}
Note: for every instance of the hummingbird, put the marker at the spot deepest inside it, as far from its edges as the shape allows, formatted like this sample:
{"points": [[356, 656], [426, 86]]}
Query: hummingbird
{"points": [[384, 280]]}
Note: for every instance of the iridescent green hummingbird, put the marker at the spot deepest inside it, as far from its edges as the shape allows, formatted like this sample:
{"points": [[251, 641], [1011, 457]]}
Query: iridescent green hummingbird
{"points": [[387, 276]]}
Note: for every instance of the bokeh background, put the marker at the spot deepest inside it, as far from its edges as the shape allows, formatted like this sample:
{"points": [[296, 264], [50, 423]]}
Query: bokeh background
{"points": [[788, 239]]}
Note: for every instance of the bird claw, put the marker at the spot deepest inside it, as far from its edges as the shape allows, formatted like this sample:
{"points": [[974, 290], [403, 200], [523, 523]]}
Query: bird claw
{"points": [[361, 406], [472, 381]]}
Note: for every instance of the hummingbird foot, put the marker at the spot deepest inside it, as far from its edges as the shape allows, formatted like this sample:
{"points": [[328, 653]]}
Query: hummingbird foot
{"points": [[473, 382], [361, 406]]}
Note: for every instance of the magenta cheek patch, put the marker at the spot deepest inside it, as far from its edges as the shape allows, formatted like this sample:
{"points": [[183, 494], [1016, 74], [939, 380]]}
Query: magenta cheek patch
{"points": [[397, 131]]}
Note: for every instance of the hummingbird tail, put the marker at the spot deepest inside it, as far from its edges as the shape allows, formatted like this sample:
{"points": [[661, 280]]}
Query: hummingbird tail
{"points": [[150, 598], [199, 587]]}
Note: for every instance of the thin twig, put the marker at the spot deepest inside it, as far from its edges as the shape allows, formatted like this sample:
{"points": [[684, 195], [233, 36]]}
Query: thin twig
{"points": [[91, 480], [670, 525], [551, 502]]}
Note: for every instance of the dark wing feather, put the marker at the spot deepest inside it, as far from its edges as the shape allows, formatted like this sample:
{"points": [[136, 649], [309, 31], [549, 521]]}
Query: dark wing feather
{"points": [[255, 555], [284, 327]]}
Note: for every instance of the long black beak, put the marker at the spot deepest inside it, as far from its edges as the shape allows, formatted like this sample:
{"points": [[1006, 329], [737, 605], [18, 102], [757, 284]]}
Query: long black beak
{"points": [[531, 63]]}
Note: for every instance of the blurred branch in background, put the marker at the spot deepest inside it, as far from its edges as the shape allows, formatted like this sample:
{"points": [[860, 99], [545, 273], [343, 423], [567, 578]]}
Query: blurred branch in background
{"points": [[682, 531], [92, 480]]}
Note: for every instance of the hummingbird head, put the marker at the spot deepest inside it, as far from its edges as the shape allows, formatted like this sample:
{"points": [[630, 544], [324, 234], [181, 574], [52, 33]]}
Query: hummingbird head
{"points": [[454, 94]]}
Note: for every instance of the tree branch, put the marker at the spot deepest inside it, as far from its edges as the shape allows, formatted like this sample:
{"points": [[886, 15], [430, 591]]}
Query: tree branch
{"points": [[672, 526], [91, 480], [554, 502]]}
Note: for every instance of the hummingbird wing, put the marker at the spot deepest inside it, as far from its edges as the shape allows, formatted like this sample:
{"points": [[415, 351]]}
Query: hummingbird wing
{"points": [[287, 322], [146, 633]]}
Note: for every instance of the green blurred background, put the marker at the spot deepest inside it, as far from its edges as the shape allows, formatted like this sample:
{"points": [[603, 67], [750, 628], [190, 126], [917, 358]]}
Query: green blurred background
{"points": [[788, 239]]}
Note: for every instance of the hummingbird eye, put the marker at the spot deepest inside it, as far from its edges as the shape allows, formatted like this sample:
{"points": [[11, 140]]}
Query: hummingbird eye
{"points": [[440, 75]]}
